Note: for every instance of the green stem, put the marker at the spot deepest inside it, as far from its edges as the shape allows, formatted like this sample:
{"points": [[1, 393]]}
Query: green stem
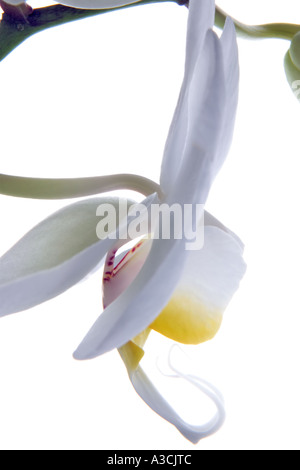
{"points": [[14, 32], [70, 188], [264, 31]]}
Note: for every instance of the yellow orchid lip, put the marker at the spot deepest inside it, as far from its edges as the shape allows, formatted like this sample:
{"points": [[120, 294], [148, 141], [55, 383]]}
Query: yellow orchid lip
{"points": [[187, 320]]}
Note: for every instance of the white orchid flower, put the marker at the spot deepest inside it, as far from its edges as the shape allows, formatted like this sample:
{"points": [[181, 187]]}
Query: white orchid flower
{"points": [[159, 284]]}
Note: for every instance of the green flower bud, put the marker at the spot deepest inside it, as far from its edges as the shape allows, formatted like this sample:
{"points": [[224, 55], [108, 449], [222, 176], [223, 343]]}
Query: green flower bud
{"points": [[292, 65]]}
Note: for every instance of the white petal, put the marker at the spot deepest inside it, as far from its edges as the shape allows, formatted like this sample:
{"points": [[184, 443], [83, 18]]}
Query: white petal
{"points": [[213, 274], [210, 220], [138, 306], [147, 391], [157, 403], [211, 109], [175, 142], [52, 257], [201, 18], [231, 69], [207, 98]]}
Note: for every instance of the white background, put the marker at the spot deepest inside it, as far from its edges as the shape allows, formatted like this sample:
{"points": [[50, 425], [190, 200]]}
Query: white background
{"points": [[96, 97]]}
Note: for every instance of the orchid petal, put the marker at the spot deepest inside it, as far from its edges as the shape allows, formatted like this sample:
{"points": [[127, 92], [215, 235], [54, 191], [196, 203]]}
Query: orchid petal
{"points": [[209, 279], [231, 69], [139, 305], [210, 220], [212, 103], [201, 18], [175, 143], [207, 98], [131, 355], [53, 256]]}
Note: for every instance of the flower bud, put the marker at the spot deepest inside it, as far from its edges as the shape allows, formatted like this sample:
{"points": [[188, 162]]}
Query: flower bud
{"points": [[292, 65]]}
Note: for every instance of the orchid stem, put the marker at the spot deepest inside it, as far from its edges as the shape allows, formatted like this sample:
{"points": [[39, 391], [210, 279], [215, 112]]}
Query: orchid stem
{"points": [[53, 189], [264, 31], [13, 32]]}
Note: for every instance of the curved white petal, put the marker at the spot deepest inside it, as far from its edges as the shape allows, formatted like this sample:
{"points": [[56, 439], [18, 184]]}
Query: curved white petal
{"points": [[207, 98], [152, 397], [146, 390], [53, 256], [138, 306], [201, 18], [210, 115]]}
